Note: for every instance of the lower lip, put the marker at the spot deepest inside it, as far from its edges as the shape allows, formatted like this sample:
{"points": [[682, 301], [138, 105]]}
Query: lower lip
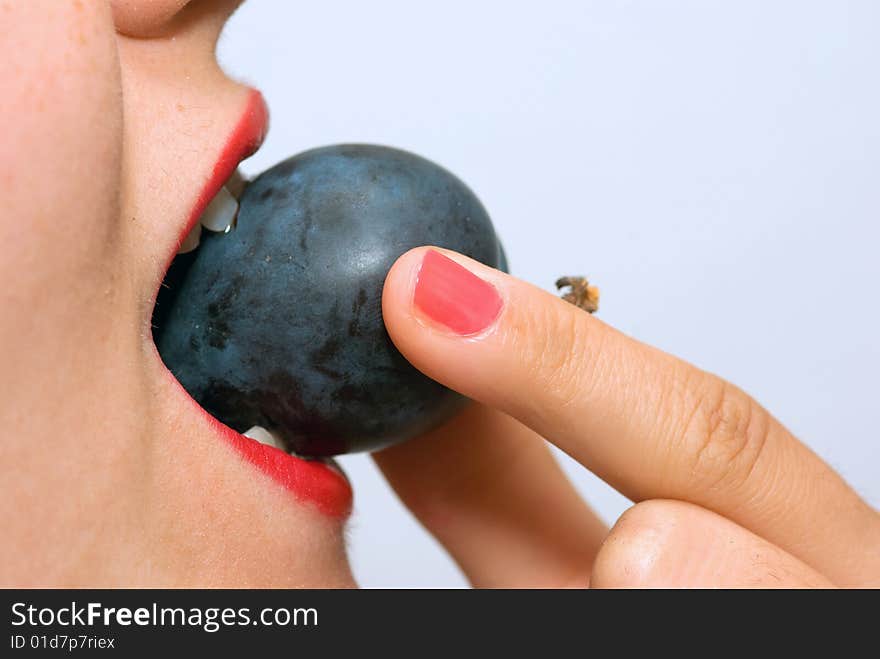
{"points": [[309, 481]]}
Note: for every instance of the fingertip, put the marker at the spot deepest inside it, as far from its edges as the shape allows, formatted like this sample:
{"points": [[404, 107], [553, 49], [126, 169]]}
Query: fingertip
{"points": [[397, 296], [472, 327], [443, 292]]}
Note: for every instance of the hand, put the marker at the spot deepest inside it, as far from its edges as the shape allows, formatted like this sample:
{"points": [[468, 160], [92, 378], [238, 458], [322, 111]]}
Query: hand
{"points": [[725, 495]]}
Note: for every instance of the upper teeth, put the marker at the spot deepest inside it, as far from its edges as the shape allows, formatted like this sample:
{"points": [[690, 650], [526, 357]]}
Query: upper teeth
{"points": [[192, 239], [236, 184], [220, 213], [264, 437]]}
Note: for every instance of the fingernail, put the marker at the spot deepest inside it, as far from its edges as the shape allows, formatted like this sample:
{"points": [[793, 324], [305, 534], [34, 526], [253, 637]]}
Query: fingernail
{"points": [[455, 297]]}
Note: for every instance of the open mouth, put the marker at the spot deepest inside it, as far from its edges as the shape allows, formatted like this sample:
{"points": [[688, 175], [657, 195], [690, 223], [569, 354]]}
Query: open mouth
{"points": [[319, 481]]}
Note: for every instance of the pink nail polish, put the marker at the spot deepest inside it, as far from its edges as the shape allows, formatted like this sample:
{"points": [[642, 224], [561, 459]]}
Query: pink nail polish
{"points": [[455, 297]]}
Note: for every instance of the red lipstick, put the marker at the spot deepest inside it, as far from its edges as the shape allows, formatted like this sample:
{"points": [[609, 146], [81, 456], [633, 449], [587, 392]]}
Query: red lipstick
{"points": [[246, 138], [308, 481]]}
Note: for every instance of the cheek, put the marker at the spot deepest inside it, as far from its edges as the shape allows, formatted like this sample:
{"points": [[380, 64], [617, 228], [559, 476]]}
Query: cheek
{"points": [[60, 156], [141, 18]]}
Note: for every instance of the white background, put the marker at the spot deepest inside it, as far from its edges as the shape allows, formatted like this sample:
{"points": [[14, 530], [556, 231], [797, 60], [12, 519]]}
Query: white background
{"points": [[714, 166]]}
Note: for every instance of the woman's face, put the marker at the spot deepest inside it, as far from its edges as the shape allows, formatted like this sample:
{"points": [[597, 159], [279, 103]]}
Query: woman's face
{"points": [[118, 128]]}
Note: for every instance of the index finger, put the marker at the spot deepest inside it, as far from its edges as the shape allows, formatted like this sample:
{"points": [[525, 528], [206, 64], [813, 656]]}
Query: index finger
{"points": [[649, 424]]}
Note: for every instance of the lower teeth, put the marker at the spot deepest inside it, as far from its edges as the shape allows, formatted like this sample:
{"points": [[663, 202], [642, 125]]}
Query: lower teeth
{"points": [[264, 436]]}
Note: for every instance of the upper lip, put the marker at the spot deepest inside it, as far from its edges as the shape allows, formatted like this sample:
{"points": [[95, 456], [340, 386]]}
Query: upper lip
{"points": [[332, 494], [244, 141]]}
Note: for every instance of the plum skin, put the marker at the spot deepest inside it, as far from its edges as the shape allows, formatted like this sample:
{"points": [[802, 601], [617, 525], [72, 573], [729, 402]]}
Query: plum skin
{"points": [[278, 323]]}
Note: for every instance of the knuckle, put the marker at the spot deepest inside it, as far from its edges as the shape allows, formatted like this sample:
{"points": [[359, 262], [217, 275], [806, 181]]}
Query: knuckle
{"points": [[635, 544], [726, 434]]}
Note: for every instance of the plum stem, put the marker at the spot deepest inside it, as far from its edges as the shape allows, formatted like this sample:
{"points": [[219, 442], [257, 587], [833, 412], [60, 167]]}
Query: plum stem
{"points": [[580, 293]]}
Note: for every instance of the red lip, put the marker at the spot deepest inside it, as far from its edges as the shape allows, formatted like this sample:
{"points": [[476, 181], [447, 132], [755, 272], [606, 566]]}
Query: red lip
{"points": [[246, 138], [309, 481]]}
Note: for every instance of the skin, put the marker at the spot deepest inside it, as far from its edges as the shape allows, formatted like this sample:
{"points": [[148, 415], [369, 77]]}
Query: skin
{"points": [[116, 113], [725, 495]]}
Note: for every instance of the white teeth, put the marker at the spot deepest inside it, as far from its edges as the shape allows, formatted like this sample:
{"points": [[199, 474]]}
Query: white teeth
{"points": [[218, 216], [220, 213], [192, 239], [264, 437], [236, 184]]}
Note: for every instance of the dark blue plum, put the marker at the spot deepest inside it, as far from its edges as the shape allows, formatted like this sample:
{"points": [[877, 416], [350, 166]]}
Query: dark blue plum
{"points": [[278, 323]]}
